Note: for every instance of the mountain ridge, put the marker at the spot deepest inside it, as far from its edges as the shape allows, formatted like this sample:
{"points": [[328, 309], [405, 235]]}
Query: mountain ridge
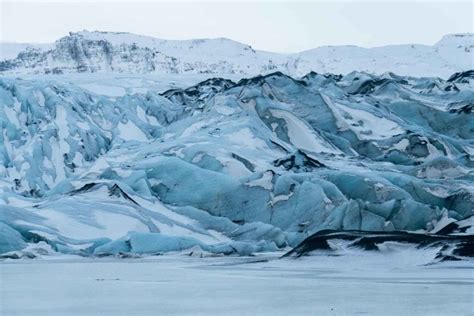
{"points": [[120, 52]]}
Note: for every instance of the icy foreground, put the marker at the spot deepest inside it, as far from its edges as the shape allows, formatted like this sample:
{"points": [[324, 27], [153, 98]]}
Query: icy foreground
{"points": [[391, 283], [109, 52], [231, 168]]}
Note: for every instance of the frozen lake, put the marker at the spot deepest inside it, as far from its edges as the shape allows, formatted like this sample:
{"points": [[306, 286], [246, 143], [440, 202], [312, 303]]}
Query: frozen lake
{"points": [[182, 285]]}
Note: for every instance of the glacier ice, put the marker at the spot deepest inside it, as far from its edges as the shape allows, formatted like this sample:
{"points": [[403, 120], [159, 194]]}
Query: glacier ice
{"points": [[232, 167], [10, 239]]}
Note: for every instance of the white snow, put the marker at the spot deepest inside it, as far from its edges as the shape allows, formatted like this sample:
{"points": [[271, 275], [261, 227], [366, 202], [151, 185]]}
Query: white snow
{"points": [[364, 124], [194, 128], [274, 199], [130, 131], [9, 50], [224, 110], [301, 135], [402, 144], [451, 54], [233, 167], [11, 116], [245, 138], [112, 225], [265, 181], [63, 129], [103, 89]]}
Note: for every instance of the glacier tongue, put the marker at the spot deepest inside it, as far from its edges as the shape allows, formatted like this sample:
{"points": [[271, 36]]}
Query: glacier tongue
{"points": [[232, 168]]}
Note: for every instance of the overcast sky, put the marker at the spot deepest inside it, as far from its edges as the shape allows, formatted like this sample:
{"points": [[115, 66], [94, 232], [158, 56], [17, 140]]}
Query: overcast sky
{"points": [[273, 26]]}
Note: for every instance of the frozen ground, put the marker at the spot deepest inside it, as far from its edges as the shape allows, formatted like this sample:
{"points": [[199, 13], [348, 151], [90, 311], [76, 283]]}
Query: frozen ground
{"points": [[358, 284]]}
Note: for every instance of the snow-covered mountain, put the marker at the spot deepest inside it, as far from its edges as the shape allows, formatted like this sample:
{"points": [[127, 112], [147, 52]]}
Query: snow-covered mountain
{"points": [[231, 167], [106, 52], [10, 50]]}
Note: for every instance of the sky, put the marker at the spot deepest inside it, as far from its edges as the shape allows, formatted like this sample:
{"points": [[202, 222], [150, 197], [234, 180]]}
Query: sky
{"points": [[265, 25]]}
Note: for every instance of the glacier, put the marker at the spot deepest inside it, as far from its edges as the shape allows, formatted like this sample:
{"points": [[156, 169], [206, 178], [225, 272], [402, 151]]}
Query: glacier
{"points": [[231, 166]]}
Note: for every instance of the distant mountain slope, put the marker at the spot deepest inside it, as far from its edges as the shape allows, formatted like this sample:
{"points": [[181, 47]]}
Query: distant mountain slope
{"points": [[10, 50], [105, 52]]}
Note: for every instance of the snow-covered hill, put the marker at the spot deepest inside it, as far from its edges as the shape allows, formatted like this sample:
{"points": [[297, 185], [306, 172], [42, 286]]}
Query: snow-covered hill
{"points": [[10, 50], [232, 167], [106, 52]]}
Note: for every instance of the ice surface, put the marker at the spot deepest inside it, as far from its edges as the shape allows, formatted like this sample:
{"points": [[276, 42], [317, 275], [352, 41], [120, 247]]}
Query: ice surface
{"points": [[393, 283], [231, 167], [10, 239]]}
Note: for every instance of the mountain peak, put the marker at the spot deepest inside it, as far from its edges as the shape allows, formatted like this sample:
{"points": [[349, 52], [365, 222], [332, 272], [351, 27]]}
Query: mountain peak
{"points": [[459, 35], [116, 38], [465, 39]]}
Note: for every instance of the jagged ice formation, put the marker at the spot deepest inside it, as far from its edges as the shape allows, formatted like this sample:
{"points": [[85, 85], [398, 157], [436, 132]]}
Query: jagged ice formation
{"points": [[232, 167]]}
